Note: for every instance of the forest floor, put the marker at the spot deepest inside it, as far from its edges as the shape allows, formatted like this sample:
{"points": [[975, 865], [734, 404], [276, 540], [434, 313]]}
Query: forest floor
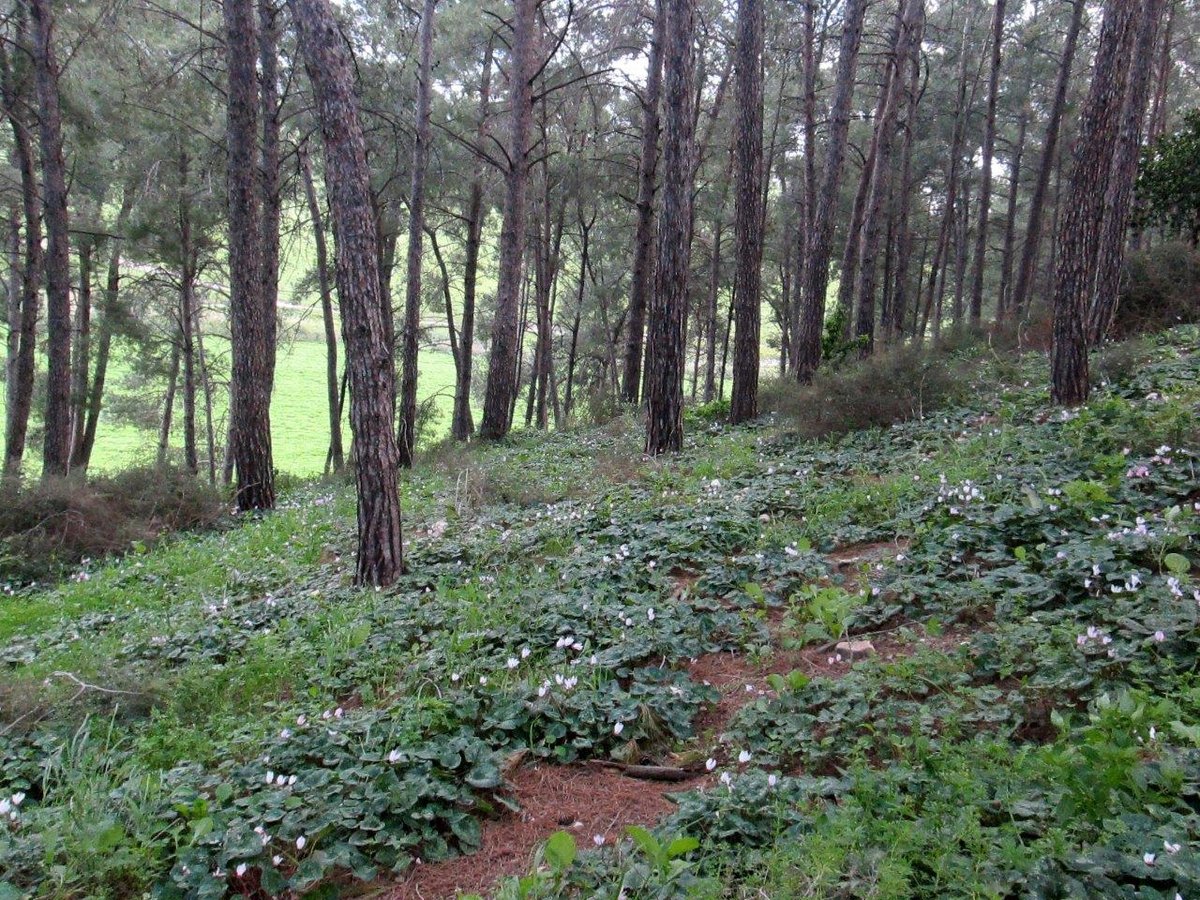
{"points": [[606, 675]]}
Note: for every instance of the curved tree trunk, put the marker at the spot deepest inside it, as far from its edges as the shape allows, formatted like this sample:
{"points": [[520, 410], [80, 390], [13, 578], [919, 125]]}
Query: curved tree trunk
{"points": [[668, 304], [748, 208], [369, 355]]}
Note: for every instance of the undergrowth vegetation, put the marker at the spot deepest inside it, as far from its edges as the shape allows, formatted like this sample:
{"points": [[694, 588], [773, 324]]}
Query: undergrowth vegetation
{"points": [[224, 714]]}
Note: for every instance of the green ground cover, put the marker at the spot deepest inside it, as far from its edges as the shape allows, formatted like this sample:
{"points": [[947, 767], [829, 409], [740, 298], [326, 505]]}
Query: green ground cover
{"points": [[227, 715]]}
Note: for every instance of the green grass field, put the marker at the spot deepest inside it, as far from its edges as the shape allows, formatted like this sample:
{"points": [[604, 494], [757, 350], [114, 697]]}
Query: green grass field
{"points": [[299, 415]]}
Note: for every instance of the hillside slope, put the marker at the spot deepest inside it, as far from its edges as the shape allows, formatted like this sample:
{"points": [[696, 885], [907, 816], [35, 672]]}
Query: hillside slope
{"points": [[1019, 713]]}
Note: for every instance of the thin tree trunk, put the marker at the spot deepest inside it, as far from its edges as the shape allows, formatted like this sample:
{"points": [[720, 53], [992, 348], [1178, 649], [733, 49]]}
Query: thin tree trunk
{"points": [[252, 335], [406, 438], [985, 184], [206, 383], [337, 457], [164, 428], [668, 304], [82, 350], [1037, 202], [643, 241], [1079, 234], [1010, 216], [369, 356], [812, 317], [894, 328], [907, 40], [112, 288], [502, 366], [463, 424], [56, 449], [1118, 199], [714, 287], [748, 208], [187, 315]]}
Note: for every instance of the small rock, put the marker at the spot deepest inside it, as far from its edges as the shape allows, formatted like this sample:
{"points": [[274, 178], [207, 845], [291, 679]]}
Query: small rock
{"points": [[856, 648]]}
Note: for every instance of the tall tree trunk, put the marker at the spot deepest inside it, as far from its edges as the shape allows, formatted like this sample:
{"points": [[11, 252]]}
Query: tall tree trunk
{"points": [[812, 316], [585, 235], [109, 312], [82, 349], [985, 185], [502, 366], [187, 317], [336, 455], [714, 288], [12, 316], [463, 424], [207, 385], [164, 428], [251, 335], [271, 177], [954, 206], [668, 303], [748, 208], [1079, 233], [1037, 202], [1010, 216], [1118, 199], [643, 241], [56, 449], [809, 207], [20, 397], [894, 327], [907, 40], [369, 356], [406, 438]]}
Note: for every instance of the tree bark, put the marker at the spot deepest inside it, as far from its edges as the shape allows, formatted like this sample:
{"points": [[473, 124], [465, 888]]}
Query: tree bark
{"points": [[369, 355], [271, 176], [56, 449], [164, 427], [748, 208], [109, 311], [643, 241], [1118, 198], [904, 48], [336, 455], [502, 366], [406, 438], [812, 316], [251, 334], [985, 185], [463, 424], [1010, 216], [1078, 237], [20, 388], [668, 304], [82, 349], [187, 317], [1037, 202]]}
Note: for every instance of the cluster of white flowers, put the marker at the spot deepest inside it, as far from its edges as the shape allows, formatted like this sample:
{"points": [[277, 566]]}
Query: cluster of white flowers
{"points": [[279, 780], [10, 807]]}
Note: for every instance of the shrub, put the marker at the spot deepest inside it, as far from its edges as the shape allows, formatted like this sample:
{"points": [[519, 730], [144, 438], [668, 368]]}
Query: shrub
{"points": [[51, 525], [1161, 289], [891, 387]]}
